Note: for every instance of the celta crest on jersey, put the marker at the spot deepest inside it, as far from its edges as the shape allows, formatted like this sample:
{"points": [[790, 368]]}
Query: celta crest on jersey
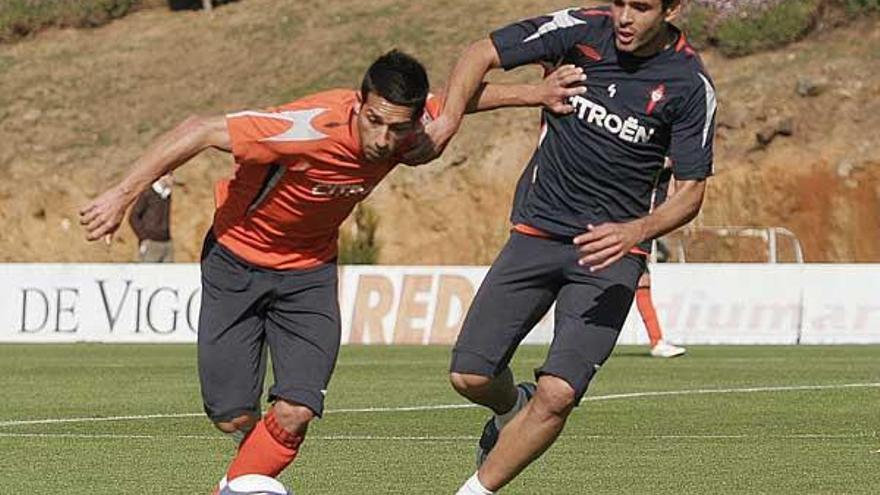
{"points": [[628, 129], [301, 128], [560, 20], [657, 95]]}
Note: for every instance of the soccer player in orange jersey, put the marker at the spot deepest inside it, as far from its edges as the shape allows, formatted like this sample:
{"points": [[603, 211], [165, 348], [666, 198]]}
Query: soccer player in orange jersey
{"points": [[268, 262]]}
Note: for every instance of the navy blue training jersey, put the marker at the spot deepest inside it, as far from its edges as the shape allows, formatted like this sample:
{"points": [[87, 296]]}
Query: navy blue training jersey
{"points": [[601, 163]]}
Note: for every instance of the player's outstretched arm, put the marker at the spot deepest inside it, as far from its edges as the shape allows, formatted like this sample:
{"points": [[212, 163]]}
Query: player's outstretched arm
{"points": [[552, 93], [604, 244], [102, 216], [464, 82]]}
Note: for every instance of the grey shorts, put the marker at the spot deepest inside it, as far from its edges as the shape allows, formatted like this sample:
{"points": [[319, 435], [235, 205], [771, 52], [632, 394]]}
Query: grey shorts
{"points": [[247, 310], [530, 274]]}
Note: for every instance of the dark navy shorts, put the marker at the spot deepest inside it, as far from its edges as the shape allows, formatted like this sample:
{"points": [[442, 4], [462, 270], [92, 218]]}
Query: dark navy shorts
{"points": [[247, 310], [529, 275]]}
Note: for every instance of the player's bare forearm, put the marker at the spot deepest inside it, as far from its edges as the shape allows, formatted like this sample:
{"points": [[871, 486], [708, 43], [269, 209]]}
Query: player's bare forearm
{"points": [[605, 244], [173, 149], [467, 78], [104, 214], [681, 207], [491, 96], [552, 93], [464, 83]]}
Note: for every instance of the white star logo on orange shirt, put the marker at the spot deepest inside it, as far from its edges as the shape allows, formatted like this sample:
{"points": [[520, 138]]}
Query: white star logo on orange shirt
{"points": [[301, 128]]}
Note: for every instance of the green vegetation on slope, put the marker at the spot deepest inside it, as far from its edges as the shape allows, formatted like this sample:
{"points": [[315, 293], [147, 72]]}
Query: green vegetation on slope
{"points": [[856, 6], [21, 17], [756, 26], [748, 30]]}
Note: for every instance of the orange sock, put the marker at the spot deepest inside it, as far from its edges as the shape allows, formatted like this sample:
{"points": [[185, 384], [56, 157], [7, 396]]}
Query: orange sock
{"points": [[266, 450], [649, 315]]}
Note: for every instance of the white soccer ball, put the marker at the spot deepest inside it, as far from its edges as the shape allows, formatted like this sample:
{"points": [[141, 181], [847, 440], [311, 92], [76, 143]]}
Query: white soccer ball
{"points": [[253, 484]]}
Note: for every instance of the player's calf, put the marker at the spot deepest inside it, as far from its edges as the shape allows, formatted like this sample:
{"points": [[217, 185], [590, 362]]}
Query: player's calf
{"points": [[494, 392], [493, 426], [292, 417], [526, 436], [274, 442]]}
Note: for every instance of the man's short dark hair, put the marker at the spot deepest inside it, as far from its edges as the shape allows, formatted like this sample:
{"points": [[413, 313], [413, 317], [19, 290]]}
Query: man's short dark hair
{"points": [[668, 3], [400, 79]]}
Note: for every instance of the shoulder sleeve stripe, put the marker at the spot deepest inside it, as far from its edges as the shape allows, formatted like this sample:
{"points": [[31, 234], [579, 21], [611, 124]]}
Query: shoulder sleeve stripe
{"points": [[561, 19], [300, 129], [711, 105]]}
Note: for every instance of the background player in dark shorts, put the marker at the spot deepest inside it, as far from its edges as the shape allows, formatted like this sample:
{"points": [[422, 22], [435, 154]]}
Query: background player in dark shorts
{"points": [[268, 263], [582, 206]]}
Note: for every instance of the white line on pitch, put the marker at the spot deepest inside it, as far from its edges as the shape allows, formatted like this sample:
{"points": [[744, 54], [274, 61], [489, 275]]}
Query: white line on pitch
{"points": [[634, 395], [460, 438], [99, 419], [112, 436], [746, 390], [219, 437]]}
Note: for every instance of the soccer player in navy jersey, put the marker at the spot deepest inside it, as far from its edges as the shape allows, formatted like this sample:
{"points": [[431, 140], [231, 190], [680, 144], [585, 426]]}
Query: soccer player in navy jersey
{"points": [[582, 220]]}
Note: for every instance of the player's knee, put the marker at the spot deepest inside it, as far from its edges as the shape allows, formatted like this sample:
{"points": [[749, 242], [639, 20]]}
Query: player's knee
{"points": [[291, 416], [468, 384], [243, 423], [554, 397]]}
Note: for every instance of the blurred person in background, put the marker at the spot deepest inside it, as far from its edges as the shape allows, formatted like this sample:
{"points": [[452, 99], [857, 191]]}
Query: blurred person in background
{"points": [[150, 219], [660, 348]]}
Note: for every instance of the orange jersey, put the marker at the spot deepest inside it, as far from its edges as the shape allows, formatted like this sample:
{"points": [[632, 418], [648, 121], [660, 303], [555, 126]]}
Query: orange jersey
{"points": [[299, 173]]}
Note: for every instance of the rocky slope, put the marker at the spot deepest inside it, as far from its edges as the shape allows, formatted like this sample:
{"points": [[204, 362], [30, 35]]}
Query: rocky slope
{"points": [[77, 106]]}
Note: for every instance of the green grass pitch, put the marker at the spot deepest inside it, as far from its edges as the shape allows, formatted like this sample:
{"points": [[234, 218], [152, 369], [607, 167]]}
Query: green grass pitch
{"points": [[734, 420]]}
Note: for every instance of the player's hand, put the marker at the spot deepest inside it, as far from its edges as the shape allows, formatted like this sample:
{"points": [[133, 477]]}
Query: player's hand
{"points": [[430, 144], [104, 214], [605, 244], [414, 147], [560, 85]]}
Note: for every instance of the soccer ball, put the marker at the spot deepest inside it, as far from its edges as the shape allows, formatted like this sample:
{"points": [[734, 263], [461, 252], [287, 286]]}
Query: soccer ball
{"points": [[253, 484]]}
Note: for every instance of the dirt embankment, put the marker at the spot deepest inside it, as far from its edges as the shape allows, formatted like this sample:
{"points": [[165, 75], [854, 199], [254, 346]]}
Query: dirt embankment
{"points": [[76, 107]]}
